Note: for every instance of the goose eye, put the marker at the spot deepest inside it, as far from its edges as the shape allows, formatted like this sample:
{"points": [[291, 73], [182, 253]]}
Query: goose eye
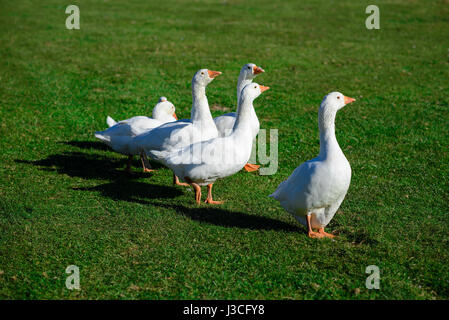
{"points": [[202, 73], [338, 97], [249, 68]]}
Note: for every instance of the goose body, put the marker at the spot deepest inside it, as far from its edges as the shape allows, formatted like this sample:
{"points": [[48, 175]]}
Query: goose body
{"points": [[315, 190], [202, 163]]}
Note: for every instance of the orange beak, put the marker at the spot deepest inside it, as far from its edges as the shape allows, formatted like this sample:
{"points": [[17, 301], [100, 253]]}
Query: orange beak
{"points": [[257, 70], [174, 116], [213, 74], [348, 100], [263, 88]]}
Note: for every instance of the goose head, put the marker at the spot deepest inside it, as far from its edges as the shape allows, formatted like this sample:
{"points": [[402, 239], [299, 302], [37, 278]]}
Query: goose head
{"points": [[252, 91], [204, 76], [249, 71], [164, 110], [335, 101]]}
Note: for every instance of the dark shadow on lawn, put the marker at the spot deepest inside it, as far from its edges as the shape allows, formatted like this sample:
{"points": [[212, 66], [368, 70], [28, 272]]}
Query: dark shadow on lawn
{"points": [[88, 145], [87, 166], [133, 191], [96, 145], [94, 166], [225, 218]]}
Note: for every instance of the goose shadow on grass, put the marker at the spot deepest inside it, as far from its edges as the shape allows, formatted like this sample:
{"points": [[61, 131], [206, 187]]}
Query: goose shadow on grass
{"points": [[133, 191], [87, 166], [122, 186], [231, 219], [96, 145], [87, 145]]}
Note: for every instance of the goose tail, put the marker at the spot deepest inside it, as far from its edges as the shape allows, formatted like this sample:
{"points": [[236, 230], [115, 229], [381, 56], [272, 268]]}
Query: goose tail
{"points": [[111, 122], [102, 137], [276, 194]]}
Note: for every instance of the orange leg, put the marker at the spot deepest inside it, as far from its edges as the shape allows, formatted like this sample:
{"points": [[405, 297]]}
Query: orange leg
{"points": [[209, 195], [311, 233], [251, 167], [197, 189], [177, 182], [329, 235], [128, 165], [145, 164]]}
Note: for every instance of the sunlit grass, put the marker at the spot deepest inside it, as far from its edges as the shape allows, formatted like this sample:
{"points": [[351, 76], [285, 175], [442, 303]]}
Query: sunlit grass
{"points": [[64, 198]]}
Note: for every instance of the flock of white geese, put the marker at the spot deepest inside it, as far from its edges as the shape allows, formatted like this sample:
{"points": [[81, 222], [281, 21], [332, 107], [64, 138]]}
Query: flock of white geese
{"points": [[202, 149]]}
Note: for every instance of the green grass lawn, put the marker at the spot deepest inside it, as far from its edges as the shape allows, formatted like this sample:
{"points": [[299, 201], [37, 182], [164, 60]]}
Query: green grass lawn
{"points": [[64, 198]]}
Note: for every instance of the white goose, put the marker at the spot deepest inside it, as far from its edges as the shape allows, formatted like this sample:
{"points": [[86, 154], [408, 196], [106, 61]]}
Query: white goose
{"points": [[225, 123], [176, 135], [204, 162], [315, 190], [119, 134]]}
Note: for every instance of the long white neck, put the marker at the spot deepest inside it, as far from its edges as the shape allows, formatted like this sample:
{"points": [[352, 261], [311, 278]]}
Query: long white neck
{"points": [[328, 141], [242, 123], [200, 113], [241, 83]]}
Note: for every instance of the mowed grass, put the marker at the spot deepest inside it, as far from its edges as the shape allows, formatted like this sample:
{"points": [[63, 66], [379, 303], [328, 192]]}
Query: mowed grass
{"points": [[64, 198]]}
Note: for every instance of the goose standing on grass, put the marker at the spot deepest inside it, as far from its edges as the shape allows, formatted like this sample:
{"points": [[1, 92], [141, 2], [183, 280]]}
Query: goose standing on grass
{"points": [[176, 135], [315, 190], [204, 162], [119, 134], [225, 123]]}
